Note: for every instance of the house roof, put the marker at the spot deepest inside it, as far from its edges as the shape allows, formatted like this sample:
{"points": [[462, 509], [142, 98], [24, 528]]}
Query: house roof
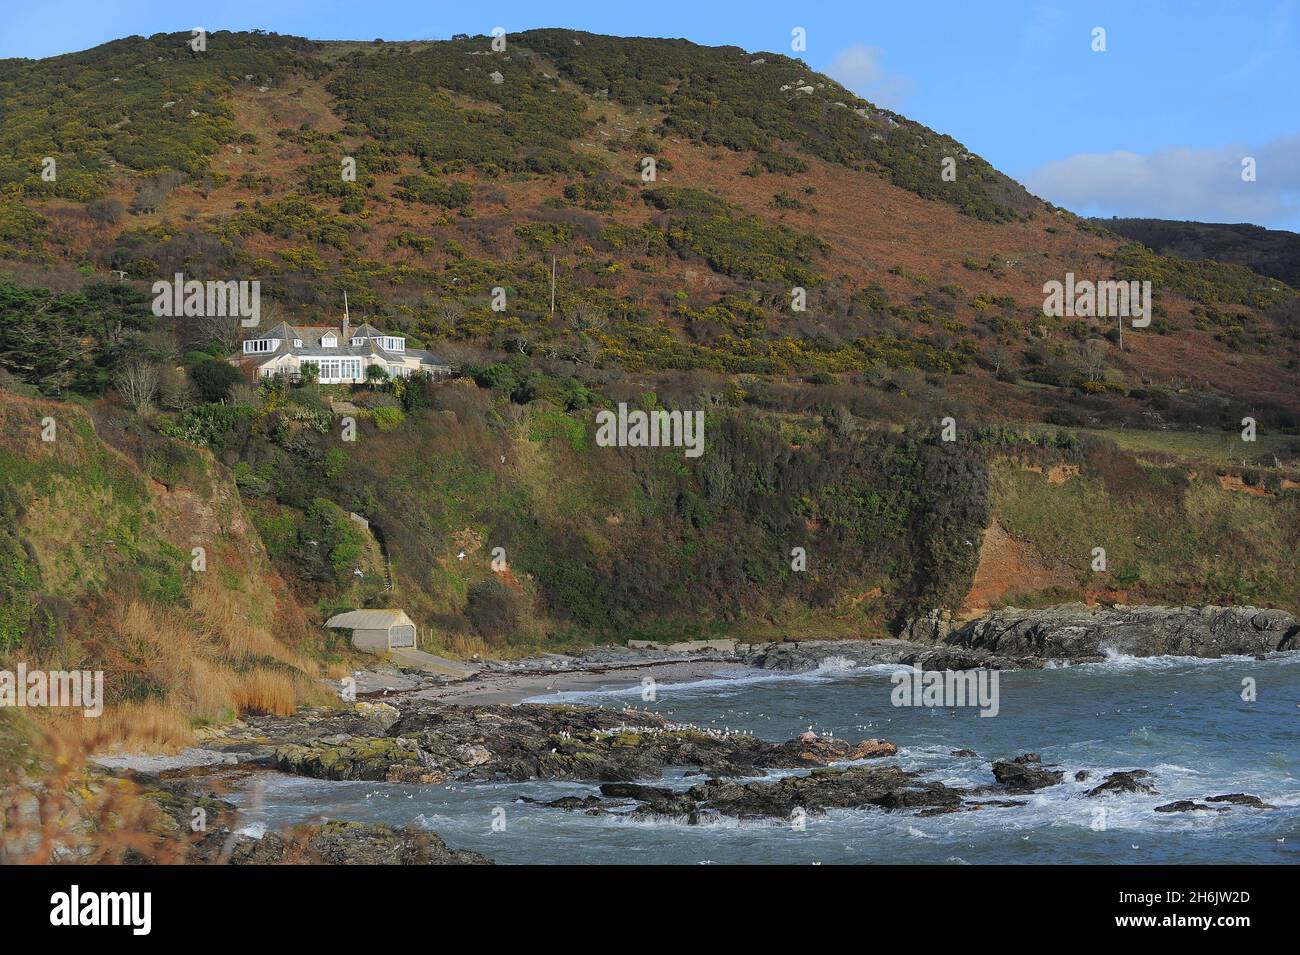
{"points": [[369, 619], [311, 347]]}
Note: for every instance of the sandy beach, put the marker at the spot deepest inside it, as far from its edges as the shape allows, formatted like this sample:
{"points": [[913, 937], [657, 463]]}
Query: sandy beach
{"points": [[510, 688]]}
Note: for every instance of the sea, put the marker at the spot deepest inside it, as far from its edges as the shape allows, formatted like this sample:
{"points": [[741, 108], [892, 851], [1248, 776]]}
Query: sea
{"points": [[1202, 727]]}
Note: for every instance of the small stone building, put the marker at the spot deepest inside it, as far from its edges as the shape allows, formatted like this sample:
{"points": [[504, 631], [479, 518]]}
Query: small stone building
{"points": [[376, 631]]}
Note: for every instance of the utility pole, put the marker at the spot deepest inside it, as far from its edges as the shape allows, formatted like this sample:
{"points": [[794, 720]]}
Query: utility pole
{"points": [[552, 286]]}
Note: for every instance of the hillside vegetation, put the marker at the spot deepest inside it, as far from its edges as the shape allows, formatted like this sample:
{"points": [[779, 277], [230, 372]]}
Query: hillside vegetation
{"points": [[97, 571], [920, 437], [478, 170]]}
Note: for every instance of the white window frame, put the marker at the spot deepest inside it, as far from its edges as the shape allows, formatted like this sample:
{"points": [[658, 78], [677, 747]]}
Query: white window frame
{"points": [[335, 371], [329, 341], [260, 346]]}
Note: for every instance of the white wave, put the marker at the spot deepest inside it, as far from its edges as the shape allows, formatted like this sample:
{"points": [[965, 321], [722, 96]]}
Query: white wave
{"points": [[827, 671], [1117, 660], [835, 664]]}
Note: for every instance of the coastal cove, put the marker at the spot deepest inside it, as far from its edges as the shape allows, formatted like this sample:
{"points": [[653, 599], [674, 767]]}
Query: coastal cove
{"points": [[1097, 718], [798, 753]]}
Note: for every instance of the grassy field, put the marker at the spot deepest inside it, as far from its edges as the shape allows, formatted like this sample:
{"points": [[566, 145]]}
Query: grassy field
{"points": [[1167, 538], [1209, 448]]}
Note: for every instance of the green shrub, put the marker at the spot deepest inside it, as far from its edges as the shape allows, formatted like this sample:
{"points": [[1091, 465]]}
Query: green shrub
{"points": [[388, 419]]}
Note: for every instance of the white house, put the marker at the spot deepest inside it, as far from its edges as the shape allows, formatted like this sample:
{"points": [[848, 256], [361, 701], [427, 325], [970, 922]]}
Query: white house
{"points": [[376, 630], [341, 354]]}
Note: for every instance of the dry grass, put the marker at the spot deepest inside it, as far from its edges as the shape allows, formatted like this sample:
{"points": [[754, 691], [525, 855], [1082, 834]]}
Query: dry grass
{"points": [[59, 812], [222, 614], [467, 645], [129, 727], [271, 691], [198, 662]]}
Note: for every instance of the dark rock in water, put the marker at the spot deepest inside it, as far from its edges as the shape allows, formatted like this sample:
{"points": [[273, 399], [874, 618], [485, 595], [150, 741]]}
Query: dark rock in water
{"points": [[1187, 805], [655, 800], [1131, 781], [358, 843], [1077, 631], [810, 654], [1081, 775], [1028, 758], [854, 787], [1025, 777], [339, 842], [958, 658], [432, 741], [998, 804], [357, 757], [1242, 799], [591, 805], [536, 741], [812, 750], [965, 753], [635, 791]]}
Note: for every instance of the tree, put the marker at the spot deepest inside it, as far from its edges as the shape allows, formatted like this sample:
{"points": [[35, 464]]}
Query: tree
{"points": [[137, 382], [1092, 359], [105, 211], [175, 389], [375, 374], [45, 339], [119, 311], [213, 380]]}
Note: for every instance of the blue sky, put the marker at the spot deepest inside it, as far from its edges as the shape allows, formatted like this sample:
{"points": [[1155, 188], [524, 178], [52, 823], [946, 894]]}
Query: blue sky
{"points": [[1157, 124]]}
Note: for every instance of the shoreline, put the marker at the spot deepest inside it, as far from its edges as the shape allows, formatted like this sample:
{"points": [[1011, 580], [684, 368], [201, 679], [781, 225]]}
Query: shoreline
{"points": [[490, 688]]}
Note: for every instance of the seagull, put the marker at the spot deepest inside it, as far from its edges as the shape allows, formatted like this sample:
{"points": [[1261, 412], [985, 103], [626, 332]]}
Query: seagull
{"points": [[460, 556]]}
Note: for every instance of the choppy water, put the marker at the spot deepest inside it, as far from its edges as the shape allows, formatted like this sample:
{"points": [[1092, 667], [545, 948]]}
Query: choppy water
{"points": [[1181, 718]]}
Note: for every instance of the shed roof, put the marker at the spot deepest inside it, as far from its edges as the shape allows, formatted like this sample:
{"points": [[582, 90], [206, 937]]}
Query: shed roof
{"points": [[369, 619]]}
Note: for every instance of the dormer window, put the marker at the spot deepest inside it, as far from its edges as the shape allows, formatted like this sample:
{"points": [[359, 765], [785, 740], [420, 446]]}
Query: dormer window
{"points": [[329, 341], [257, 346], [392, 343], [297, 343], [358, 341]]}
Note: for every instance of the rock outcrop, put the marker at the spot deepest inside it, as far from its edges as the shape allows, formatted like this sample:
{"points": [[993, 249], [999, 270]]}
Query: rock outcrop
{"points": [[433, 741], [1025, 774], [338, 842], [1080, 632]]}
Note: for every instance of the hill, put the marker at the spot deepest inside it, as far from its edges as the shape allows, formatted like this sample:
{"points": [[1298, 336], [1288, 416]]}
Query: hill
{"points": [[1273, 252], [832, 498], [475, 168]]}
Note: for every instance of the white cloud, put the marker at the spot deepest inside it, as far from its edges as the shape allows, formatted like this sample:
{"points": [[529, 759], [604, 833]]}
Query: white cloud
{"points": [[1179, 183], [860, 68]]}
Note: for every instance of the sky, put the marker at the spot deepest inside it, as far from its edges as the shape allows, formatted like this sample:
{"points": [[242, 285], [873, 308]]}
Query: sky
{"points": [[1158, 123]]}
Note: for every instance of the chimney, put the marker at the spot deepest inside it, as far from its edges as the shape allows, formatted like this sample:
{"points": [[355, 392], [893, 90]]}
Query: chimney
{"points": [[347, 334]]}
